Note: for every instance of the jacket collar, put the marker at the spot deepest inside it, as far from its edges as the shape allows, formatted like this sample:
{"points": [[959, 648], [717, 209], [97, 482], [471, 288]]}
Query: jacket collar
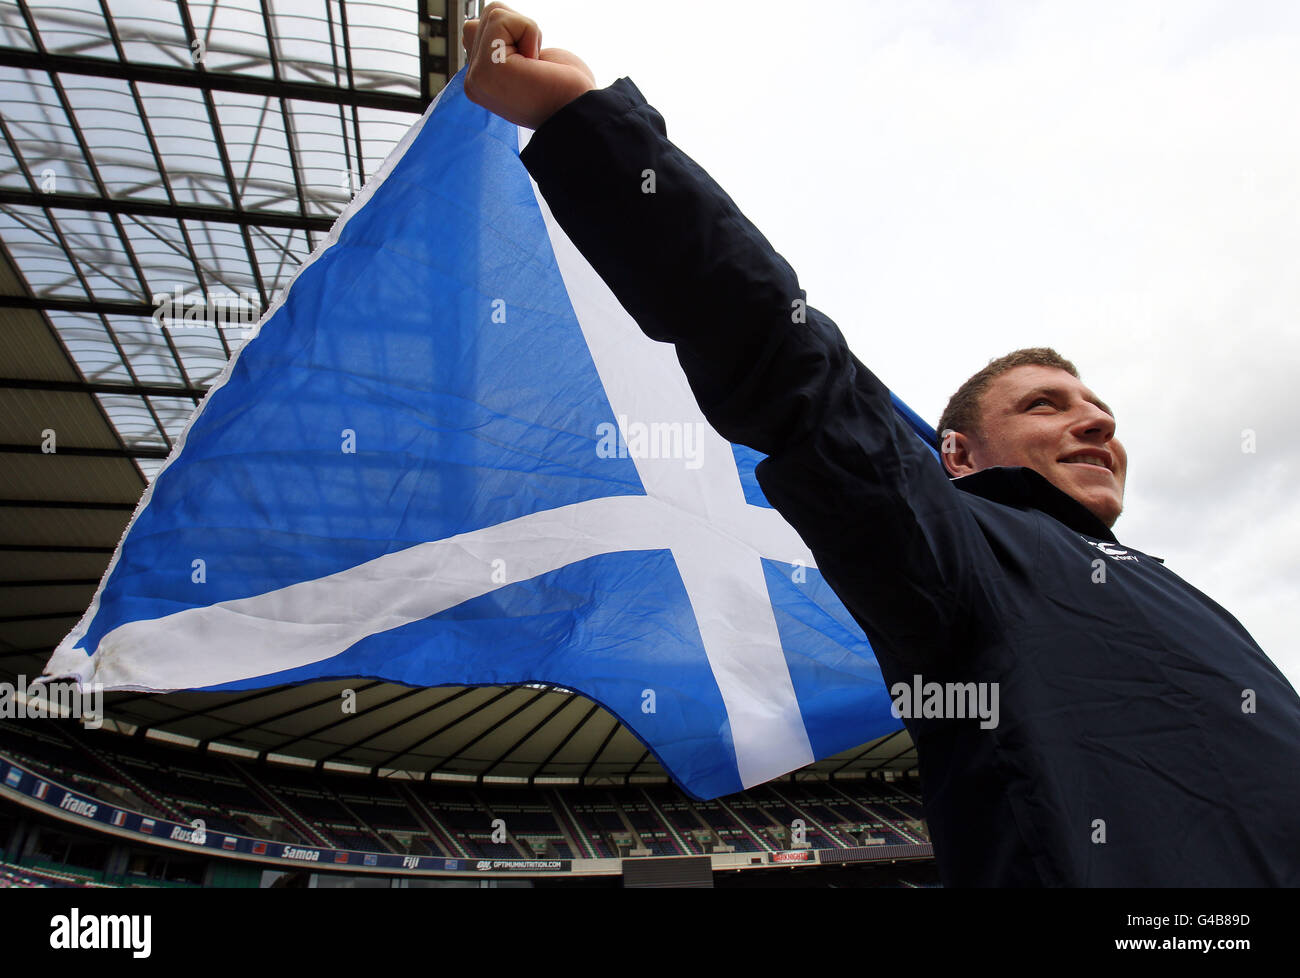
{"points": [[1020, 486]]}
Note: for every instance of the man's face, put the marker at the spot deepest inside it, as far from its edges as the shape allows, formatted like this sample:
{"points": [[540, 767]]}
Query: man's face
{"points": [[1045, 419]]}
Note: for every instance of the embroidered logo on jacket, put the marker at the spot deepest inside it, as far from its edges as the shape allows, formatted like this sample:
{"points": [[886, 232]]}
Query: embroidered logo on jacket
{"points": [[1110, 550]]}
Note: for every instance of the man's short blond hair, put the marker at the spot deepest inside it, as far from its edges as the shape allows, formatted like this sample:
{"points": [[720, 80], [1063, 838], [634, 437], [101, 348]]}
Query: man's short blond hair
{"points": [[963, 410]]}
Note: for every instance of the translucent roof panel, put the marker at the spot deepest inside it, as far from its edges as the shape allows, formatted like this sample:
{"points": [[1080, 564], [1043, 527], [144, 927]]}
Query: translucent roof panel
{"points": [[37, 250], [115, 135], [144, 345], [325, 138], [221, 251], [179, 120], [173, 413], [13, 29], [42, 134], [100, 254], [11, 174], [279, 256], [70, 27], [151, 32], [381, 130], [252, 128], [374, 42], [160, 249], [232, 35], [309, 42], [202, 352], [91, 345], [134, 420], [385, 52]]}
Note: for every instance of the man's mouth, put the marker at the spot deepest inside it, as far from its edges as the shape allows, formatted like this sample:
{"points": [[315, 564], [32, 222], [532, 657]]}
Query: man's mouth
{"points": [[1088, 458]]}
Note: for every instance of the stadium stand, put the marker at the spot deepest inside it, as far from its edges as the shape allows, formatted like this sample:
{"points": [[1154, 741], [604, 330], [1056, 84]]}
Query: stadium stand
{"points": [[332, 810]]}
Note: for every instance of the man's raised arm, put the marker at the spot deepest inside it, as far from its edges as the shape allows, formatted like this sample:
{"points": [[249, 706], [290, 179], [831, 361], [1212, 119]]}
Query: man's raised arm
{"points": [[768, 371]]}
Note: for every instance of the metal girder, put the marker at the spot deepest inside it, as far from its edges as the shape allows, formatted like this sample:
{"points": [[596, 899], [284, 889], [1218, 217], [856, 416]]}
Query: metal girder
{"points": [[209, 81], [139, 452], [63, 503], [97, 387], [146, 208]]}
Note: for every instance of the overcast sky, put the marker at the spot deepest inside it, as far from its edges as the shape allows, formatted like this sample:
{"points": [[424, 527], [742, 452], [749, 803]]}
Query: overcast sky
{"points": [[955, 180]]}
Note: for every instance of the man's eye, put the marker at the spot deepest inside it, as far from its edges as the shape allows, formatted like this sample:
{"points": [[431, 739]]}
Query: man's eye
{"points": [[1041, 400]]}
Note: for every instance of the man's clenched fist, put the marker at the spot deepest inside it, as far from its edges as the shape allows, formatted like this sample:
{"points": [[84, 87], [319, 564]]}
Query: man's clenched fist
{"points": [[509, 72]]}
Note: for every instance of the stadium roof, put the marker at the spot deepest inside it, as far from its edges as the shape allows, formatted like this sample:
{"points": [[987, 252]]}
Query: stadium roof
{"points": [[199, 151]]}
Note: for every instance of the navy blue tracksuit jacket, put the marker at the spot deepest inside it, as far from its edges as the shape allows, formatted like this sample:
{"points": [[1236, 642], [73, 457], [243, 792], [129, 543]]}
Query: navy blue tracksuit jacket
{"points": [[1144, 738]]}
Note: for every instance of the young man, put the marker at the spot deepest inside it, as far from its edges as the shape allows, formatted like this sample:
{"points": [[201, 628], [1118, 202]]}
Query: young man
{"points": [[1143, 738]]}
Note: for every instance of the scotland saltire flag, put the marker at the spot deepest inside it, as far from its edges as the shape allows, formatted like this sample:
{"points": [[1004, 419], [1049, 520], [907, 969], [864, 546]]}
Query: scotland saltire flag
{"points": [[448, 456]]}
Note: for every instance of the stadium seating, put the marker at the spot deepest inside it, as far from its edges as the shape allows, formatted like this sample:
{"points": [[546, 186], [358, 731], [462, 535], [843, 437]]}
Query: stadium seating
{"points": [[336, 810]]}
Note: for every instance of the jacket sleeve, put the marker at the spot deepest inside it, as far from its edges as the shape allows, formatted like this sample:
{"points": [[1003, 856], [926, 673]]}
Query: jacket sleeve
{"points": [[889, 532]]}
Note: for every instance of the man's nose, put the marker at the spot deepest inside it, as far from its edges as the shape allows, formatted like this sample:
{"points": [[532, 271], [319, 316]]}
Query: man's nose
{"points": [[1094, 422]]}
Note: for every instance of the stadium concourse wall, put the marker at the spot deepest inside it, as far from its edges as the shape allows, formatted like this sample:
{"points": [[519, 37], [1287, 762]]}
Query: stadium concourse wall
{"points": [[47, 796]]}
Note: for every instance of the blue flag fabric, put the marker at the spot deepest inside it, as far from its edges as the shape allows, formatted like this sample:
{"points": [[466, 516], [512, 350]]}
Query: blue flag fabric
{"points": [[447, 456]]}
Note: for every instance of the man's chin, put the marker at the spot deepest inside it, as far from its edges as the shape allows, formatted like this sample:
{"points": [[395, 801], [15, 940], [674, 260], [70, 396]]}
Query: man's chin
{"points": [[1106, 510], [1103, 505]]}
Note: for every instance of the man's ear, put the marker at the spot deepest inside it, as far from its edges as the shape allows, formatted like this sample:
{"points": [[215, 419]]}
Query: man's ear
{"points": [[955, 448]]}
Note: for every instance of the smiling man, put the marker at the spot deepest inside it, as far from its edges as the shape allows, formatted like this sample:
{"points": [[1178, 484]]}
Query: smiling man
{"points": [[1144, 738], [1030, 408]]}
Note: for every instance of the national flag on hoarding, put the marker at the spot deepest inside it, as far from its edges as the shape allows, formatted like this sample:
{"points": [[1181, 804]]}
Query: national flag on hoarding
{"points": [[448, 457]]}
